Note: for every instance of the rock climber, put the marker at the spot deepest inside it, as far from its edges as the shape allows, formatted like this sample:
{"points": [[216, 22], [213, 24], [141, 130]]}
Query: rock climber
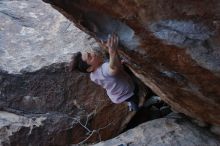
{"points": [[109, 74]]}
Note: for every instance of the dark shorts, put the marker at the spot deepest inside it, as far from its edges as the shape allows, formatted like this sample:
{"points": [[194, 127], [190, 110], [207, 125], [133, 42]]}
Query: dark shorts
{"points": [[134, 97]]}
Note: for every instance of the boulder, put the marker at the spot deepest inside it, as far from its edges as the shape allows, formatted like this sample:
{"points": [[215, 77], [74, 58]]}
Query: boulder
{"points": [[33, 35], [173, 130], [41, 103], [172, 46]]}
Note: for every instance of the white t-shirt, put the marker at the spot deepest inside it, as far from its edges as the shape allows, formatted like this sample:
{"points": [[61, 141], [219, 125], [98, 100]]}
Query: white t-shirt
{"points": [[119, 87]]}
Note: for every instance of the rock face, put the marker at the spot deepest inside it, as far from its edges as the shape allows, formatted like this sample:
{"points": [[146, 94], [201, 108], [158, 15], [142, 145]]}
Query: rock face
{"points": [[33, 35], [173, 130], [172, 46], [41, 103]]}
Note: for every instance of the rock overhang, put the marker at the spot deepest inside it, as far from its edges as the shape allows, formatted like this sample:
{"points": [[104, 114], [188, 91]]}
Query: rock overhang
{"points": [[173, 47]]}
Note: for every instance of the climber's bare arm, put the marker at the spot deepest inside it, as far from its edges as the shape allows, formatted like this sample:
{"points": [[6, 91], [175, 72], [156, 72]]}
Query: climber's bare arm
{"points": [[114, 61]]}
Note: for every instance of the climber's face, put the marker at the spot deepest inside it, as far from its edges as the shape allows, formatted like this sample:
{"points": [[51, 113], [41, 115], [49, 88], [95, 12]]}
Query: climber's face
{"points": [[92, 59]]}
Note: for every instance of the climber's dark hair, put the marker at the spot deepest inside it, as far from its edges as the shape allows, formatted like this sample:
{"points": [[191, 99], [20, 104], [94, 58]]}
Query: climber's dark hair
{"points": [[78, 63]]}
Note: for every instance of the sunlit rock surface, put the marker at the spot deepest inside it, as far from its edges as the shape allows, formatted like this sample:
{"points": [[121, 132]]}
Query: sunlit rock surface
{"points": [[41, 103], [33, 35], [172, 46], [173, 130]]}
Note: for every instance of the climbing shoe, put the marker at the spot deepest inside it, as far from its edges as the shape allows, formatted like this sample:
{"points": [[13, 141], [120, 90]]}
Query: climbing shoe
{"points": [[133, 106]]}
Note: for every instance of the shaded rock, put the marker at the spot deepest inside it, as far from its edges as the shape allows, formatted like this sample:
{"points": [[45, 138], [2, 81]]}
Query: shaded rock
{"points": [[74, 109], [153, 108], [24, 130], [172, 130], [79, 108], [172, 46]]}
